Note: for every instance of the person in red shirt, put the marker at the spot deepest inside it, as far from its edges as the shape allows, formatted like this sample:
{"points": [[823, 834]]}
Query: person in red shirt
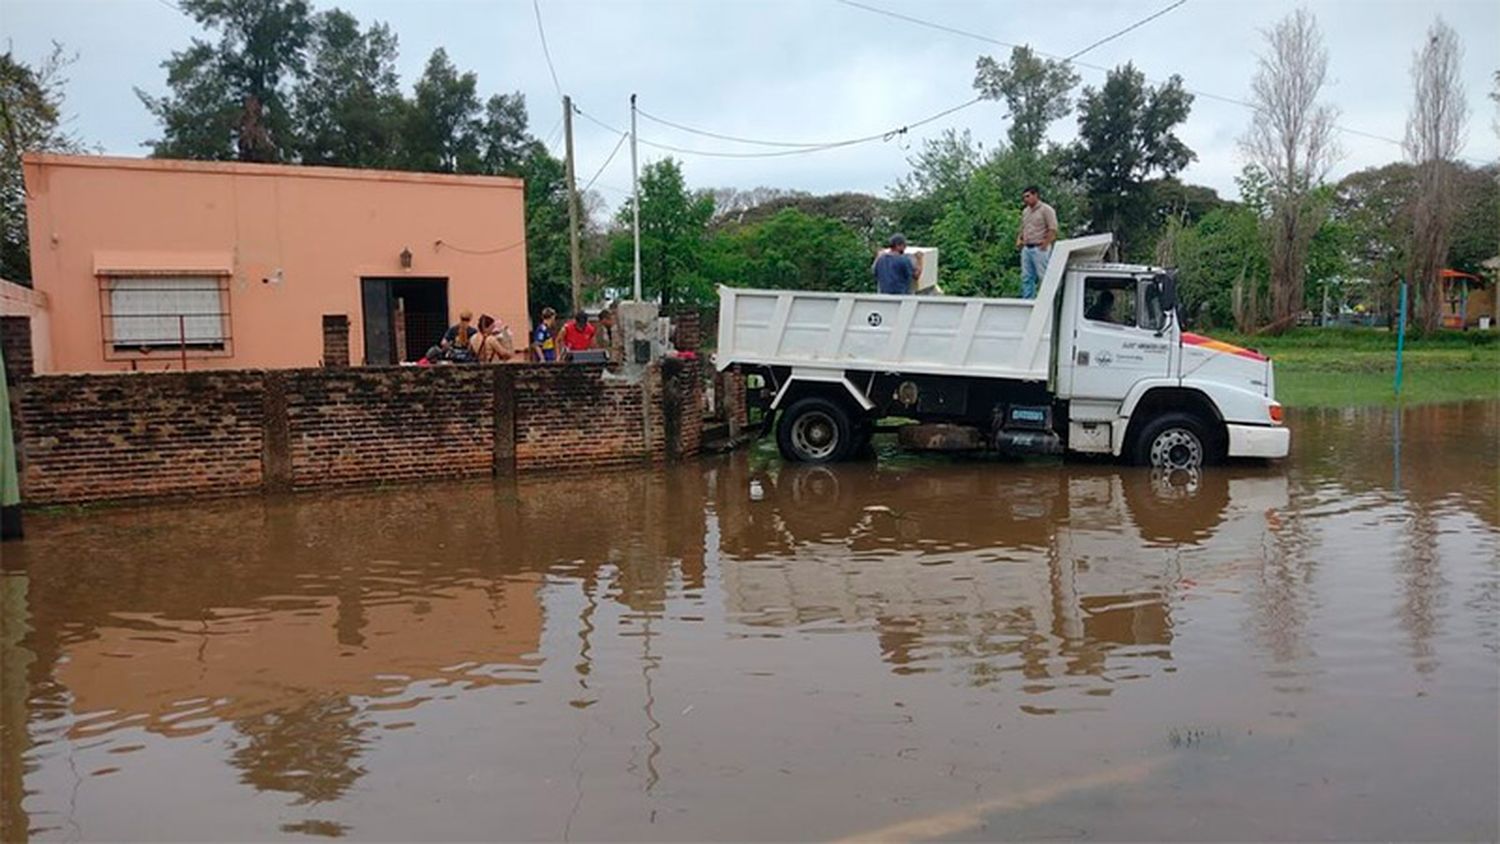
{"points": [[578, 335]]}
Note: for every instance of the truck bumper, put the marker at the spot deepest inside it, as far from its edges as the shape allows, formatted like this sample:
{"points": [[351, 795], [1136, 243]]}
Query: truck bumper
{"points": [[1259, 441]]}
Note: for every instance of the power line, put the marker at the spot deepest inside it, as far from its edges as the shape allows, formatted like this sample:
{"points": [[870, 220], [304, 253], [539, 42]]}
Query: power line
{"points": [[611, 157], [798, 150], [1195, 92], [654, 119], [537, 8], [1140, 23]]}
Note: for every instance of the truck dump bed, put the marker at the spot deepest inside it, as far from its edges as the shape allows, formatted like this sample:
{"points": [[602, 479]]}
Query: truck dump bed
{"points": [[939, 335]]}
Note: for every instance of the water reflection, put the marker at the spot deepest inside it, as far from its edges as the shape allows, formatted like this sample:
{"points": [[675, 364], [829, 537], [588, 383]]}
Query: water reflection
{"points": [[664, 654]]}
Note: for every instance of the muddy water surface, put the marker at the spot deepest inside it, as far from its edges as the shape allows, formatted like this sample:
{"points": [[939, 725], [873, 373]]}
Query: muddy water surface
{"points": [[735, 649]]}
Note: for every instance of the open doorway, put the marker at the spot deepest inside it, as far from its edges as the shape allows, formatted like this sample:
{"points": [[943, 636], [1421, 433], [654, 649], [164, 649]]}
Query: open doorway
{"points": [[402, 317]]}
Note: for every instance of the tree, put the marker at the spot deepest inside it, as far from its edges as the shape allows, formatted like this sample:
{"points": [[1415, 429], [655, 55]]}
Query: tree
{"points": [[673, 225], [1434, 135], [31, 100], [443, 125], [789, 250], [347, 109], [1291, 139], [1035, 89], [231, 99], [549, 276], [1125, 136], [505, 145]]}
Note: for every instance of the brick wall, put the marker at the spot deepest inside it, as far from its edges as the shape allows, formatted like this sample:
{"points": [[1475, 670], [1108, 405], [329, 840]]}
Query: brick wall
{"points": [[148, 435], [355, 426], [15, 345], [335, 340], [101, 437]]}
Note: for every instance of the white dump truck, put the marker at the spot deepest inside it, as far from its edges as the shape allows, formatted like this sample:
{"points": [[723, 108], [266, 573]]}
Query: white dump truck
{"points": [[1095, 364]]}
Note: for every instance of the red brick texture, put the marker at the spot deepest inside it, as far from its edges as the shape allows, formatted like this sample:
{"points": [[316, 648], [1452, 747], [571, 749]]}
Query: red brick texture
{"points": [[102, 437], [162, 434]]}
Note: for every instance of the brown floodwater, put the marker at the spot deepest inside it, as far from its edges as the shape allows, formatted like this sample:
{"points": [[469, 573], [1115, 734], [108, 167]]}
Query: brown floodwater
{"points": [[738, 649]]}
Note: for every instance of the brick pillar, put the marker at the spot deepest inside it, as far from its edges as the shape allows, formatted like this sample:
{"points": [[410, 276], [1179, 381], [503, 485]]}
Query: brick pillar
{"points": [[15, 343], [276, 435], [688, 331], [504, 433], [336, 340]]}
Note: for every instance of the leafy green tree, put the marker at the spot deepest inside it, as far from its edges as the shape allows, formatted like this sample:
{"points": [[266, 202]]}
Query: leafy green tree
{"points": [[444, 120], [31, 101], [549, 276], [232, 99], [674, 221], [1035, 89], [347, 110], [1125, 135], [790, 250]]}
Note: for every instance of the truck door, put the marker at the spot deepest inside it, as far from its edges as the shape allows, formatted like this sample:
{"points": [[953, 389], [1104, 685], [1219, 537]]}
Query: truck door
{"points": [[1114, 338]]}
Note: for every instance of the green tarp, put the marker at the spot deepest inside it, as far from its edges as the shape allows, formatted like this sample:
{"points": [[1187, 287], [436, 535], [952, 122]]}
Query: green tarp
{"points": [[10, 486]]}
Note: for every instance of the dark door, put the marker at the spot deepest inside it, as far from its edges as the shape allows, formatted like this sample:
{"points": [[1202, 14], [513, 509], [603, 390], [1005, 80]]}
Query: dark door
{"points": [[380, 341]]}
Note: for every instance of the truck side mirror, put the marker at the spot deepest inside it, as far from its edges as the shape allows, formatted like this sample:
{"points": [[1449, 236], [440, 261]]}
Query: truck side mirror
{"points": [[1166, 290]]}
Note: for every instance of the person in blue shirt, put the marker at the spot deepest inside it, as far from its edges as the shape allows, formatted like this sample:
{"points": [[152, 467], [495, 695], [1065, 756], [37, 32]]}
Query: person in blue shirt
{"points": [[895, 271], [543, 340]]}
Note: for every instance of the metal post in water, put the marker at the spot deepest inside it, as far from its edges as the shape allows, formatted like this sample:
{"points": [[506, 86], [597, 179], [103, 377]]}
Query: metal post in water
{"points": [[1400, 337]]}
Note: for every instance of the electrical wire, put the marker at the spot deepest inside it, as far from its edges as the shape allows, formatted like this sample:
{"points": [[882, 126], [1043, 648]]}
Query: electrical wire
{"points": [[536, 7], [506, 248], [1198, 93], [801, 150], [707, 134], [611, 157], [1112, 36]]}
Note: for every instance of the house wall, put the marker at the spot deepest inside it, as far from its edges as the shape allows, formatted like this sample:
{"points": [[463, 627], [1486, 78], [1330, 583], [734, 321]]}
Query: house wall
{"points": [[295, 242], [101, 437], [20, 302]]}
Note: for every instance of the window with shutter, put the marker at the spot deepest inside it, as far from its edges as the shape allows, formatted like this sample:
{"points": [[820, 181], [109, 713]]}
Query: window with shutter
{"points": [[158, 312]]}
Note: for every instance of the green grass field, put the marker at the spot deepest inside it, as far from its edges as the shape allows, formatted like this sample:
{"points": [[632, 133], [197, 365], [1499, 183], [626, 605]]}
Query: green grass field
{"points": [[1353, 367]]}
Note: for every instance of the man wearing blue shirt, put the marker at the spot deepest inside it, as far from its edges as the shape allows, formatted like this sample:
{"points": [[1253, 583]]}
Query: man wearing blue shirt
{"points": [[894, 269]]}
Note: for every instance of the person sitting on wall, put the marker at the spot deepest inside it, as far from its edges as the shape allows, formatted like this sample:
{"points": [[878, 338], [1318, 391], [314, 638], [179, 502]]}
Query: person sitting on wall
{"points": [[492, 344], [543, 340], [434, 356], [459, 336], [578, 335], [604, 336]]}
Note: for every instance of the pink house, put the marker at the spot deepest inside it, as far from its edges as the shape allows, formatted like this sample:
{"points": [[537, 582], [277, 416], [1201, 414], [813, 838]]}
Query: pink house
{"points": [[158, 264]]}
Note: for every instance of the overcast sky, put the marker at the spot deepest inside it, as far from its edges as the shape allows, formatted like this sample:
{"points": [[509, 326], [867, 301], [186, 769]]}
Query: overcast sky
{"points": [[808, 70]]}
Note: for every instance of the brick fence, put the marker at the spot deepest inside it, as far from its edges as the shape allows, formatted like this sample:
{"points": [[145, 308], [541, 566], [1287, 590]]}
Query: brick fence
{"points": [[223, 432]]}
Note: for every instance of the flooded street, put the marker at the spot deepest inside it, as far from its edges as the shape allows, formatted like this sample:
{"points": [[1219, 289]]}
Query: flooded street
{"points": [[738, 649]]}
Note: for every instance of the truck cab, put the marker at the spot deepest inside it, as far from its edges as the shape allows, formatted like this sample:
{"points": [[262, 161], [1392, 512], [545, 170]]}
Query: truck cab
{"points": [[1096, 364]]}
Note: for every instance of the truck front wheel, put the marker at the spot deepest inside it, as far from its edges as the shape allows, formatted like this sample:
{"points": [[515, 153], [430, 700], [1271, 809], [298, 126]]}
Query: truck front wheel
{"points": [[815, 430], [1174, 441]]}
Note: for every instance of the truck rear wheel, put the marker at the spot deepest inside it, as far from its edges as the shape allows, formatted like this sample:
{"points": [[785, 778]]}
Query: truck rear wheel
{"points": [[816, 430], [1174, 441]]}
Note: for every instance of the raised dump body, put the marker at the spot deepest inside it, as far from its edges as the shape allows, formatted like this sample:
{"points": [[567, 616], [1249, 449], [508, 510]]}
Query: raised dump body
{"points": [[935, 335]]}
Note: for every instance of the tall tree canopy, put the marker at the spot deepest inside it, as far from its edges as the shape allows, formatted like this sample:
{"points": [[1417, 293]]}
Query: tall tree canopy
{"points": [[232, 99], [348, 107], [1125, 136], [31, 101], [1035, 89], [674, 222]]}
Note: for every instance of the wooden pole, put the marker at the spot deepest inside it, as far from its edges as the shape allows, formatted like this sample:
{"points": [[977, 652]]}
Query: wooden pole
{"points": [[575, 258]]}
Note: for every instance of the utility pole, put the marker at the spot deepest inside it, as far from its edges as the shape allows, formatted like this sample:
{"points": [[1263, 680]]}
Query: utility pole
{"points": [[575, 260], [635, 206]]}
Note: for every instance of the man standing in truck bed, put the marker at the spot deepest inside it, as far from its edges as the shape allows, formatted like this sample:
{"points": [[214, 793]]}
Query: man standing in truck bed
{"points": [[1038, 230], [894, 269]]}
